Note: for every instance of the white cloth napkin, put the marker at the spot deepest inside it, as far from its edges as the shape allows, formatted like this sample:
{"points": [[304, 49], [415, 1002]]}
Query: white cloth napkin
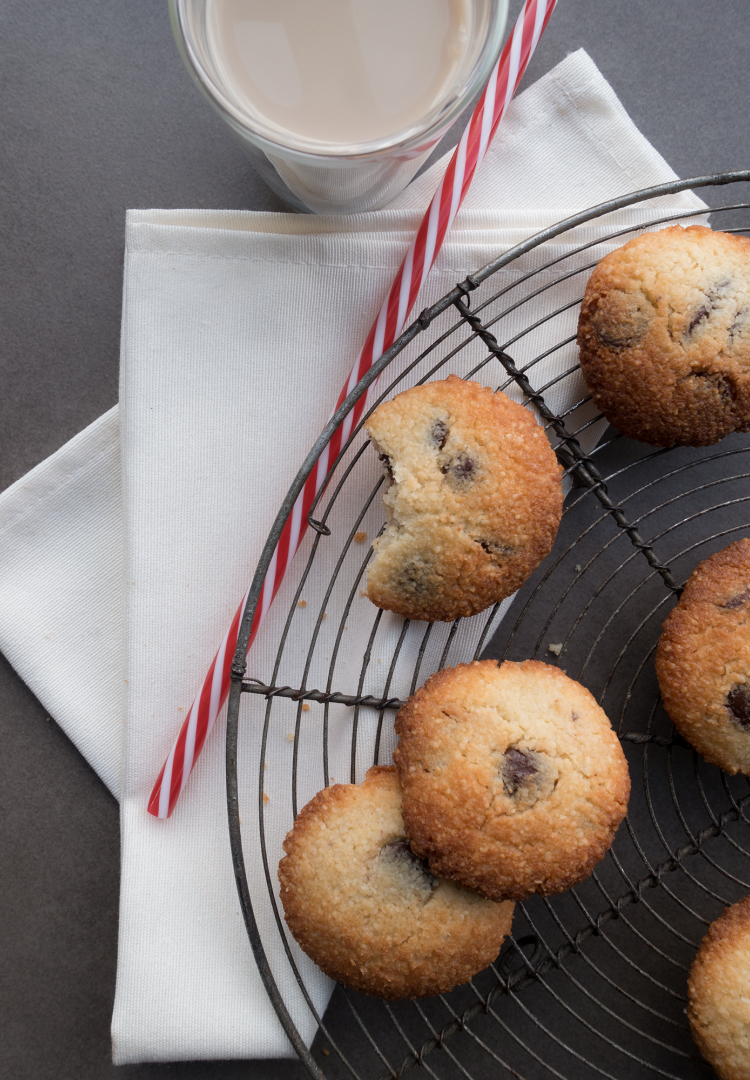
{"points": [[238, 331]]}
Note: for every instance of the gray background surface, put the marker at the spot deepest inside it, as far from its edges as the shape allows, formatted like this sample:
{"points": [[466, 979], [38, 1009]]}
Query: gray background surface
{"points": [[98, 115]]}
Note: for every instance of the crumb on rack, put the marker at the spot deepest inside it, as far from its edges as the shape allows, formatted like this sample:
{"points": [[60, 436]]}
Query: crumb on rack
{"points": [[324, 615], [578, 568], [360, 537], [555, 649], [265, 764], [324, 1051], [302, 603], [290, 736], [265, 798], [305, 707]]}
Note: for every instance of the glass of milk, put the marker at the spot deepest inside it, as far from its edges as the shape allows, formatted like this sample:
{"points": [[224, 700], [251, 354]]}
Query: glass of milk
{"points": [[339, 102]]}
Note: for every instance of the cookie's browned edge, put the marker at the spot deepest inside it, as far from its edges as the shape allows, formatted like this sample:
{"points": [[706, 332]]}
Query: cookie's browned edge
{"points": [[701, 614], [729, 929]]}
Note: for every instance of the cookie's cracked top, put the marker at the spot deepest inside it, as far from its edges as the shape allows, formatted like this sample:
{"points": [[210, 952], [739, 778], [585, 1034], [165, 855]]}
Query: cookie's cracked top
{"points": [[474, 500], [664, 336]]}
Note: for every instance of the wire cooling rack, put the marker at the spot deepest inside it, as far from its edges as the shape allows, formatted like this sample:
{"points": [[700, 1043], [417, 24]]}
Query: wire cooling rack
{"points": [[592, 982]]}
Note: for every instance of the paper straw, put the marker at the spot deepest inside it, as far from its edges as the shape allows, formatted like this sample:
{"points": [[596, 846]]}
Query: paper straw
{"points": [[390, 322]]}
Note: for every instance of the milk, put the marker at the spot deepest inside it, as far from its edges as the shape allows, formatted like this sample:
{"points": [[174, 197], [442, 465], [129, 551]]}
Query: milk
{"points": [[339, 73]]}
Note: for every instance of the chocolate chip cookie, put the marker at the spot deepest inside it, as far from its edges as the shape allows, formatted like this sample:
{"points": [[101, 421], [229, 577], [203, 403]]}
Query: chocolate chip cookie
{"points": [[664, 336], [473, 502], [719, 994], [514, 781], [703, 659], [368, 911]]}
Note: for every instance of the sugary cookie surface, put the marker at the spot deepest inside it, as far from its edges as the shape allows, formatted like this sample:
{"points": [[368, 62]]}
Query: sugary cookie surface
{"points": [[664, 336], [368, 911], [473, 503], [719, 994], [703, 659], [514, 781]]}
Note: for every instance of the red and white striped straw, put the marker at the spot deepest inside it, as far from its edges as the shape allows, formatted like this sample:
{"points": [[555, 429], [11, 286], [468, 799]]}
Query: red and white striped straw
{"points": [[390, 322]]}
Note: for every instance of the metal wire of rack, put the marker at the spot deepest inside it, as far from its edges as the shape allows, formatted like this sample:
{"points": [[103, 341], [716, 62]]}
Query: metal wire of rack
{"points": [[592, 982]]}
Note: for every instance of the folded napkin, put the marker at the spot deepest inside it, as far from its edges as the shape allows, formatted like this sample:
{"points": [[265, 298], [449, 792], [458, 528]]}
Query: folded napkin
{"points": [[238, 332]]}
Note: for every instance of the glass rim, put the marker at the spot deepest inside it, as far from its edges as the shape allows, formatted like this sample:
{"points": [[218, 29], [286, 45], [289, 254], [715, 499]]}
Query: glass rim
{"points": [[408, 142]]}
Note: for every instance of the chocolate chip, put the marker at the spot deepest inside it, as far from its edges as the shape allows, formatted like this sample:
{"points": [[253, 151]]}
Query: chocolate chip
{"points": [[698, 317], [516, 770], [399, 849], [738, 601], [400, 853], [713, 382], [724, 387], [461, 469], [621, 319], [738, 703], [715, 292], [387, 467], [740, 324], [496, 548], [439, 434]]}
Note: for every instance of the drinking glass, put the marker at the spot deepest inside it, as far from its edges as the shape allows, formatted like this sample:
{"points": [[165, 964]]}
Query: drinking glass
{"points": [[333, 178]]}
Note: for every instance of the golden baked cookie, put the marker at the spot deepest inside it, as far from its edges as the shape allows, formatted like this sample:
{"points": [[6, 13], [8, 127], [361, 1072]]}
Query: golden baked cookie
{"points": [[474, 501], [664, 336], [514, 781], [368, 911], [703, 659], [719, 994]]}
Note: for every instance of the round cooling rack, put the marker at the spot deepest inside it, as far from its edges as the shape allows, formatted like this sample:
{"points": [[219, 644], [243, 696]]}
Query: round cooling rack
{"points": [[593, 981]]}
